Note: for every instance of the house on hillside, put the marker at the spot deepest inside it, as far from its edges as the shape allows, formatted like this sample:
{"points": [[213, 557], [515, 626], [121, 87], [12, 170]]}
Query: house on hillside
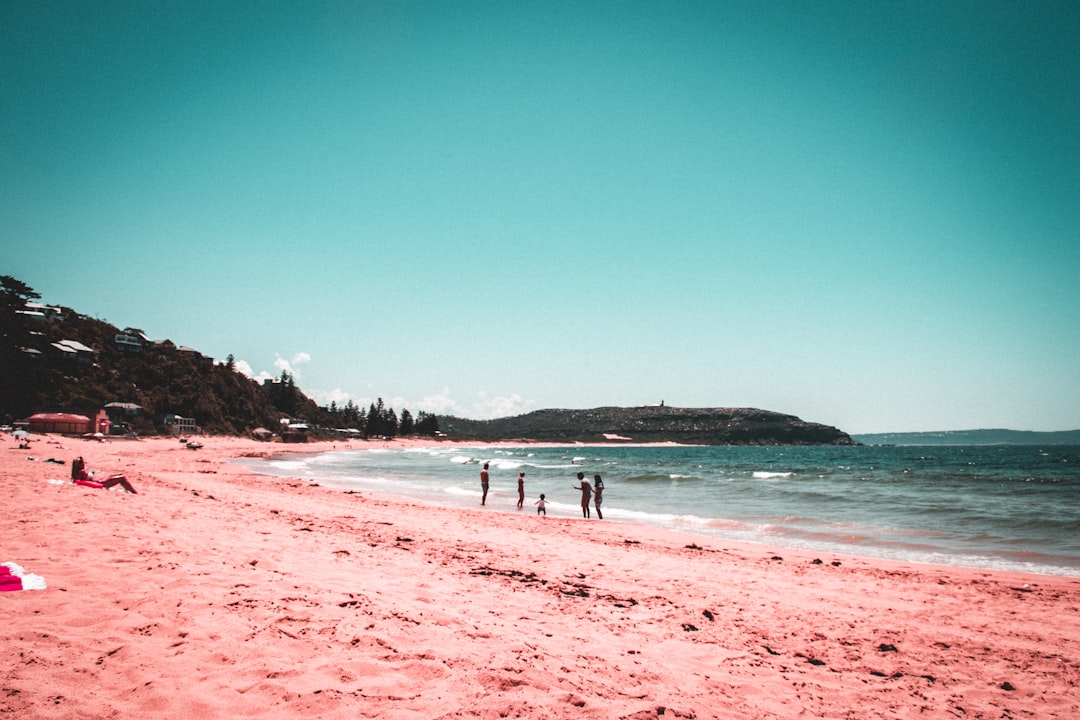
{"points": [[48, 312], [74, 351], [132, 340], [116, 410]]}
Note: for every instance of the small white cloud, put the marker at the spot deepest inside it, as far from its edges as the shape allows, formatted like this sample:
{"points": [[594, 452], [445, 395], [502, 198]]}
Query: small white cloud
{"points": [[441, 404], [497, 407], [243, 368], [291, 366], [325, 397]]}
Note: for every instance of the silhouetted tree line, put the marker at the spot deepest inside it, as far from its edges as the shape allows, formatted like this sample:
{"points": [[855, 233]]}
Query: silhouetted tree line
{"points": [[379, 420], [162, 379]]}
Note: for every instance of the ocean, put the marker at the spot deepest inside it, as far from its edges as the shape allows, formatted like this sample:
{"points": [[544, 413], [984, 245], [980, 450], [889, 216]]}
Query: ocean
{"points": [[1004, 507]]}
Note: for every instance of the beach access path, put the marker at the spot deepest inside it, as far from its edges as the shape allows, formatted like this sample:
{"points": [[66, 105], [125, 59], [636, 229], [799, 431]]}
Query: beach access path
{"points": [[215, 593]]}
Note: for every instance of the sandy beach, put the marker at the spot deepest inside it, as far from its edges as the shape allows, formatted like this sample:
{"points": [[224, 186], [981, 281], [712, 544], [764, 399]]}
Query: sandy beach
{"points": [[217, 593]]}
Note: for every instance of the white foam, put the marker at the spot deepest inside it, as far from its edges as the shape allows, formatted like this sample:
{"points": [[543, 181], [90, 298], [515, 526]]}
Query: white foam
{"points": [[288, 464]]}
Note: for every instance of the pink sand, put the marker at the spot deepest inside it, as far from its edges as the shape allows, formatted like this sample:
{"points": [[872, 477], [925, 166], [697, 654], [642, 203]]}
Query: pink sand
{"points": [[214, 593]]}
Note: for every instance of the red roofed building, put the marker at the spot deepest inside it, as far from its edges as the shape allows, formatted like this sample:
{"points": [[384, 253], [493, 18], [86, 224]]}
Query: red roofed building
{"points": [[60, 423]]}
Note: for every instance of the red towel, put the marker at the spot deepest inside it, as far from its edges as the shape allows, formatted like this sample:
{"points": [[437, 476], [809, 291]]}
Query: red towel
{"points": [[13, 578]]}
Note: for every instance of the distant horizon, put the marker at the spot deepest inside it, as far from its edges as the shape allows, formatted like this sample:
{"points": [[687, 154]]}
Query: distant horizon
{"points": [[863, 215], [971, 430]]}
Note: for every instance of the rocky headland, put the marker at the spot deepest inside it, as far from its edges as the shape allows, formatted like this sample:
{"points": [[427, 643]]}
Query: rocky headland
{"points": [[651, 424]]}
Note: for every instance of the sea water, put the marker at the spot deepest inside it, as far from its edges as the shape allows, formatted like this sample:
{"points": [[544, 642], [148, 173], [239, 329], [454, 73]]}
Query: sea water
{"points": [[1002, 506]]}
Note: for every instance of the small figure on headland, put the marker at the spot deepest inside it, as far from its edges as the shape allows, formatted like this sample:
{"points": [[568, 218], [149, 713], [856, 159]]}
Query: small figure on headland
{"points": [[598, 494], [521, 489], [541, 505], [586, 493], [484, 484]]}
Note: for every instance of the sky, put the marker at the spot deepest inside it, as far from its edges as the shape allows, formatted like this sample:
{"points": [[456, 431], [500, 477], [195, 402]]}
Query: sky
{"points": [[863, 214]]}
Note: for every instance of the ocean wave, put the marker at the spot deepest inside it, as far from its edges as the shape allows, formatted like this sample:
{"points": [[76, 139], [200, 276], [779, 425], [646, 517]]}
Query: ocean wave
{"points": [[290, 465], [648, 478], [763, 475]]}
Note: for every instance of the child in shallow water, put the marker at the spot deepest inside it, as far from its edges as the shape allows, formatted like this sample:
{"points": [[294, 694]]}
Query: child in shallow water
{"points": [[541, 505]]}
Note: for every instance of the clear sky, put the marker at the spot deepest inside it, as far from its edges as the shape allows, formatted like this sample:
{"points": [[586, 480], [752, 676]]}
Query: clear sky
{"points": [[864, 214]]}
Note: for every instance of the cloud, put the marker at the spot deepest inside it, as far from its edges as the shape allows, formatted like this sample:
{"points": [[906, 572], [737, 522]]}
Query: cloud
{"points": [[441, 404], [489, 408], [324, 397], [292, 366], [244, 368]]}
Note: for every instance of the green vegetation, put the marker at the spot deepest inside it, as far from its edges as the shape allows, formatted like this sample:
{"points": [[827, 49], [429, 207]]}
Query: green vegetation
{"points": [[691, 426], [159, 377]]}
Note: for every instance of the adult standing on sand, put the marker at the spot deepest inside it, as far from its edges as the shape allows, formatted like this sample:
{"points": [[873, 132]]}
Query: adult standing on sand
{"points": [[484, 484], [521, 489], [586, 493], [598, 492]]}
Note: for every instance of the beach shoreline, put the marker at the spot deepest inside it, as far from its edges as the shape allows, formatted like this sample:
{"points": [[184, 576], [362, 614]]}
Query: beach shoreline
{"points": [[215, 592]]}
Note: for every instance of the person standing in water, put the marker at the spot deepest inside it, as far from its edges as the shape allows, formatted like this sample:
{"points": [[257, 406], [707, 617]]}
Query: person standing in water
{"points": [[598, 493], [484, 484], [521, 489], [586, 493]]}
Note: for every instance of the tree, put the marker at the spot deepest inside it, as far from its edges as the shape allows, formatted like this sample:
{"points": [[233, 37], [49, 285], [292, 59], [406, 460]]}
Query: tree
{"points": [[427, 424], [14, 293], [390, 422], [374, 425], [406, 426]]}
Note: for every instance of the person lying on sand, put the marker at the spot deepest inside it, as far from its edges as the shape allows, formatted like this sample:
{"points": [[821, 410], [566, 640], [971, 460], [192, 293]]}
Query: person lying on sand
{"points": [[81, 476]]}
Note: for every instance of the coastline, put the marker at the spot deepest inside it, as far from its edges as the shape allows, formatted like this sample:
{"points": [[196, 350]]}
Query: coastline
{"points": [[215, 592]]}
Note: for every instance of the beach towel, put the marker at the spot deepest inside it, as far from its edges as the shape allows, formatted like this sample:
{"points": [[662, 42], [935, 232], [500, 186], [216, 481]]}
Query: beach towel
{"points": [[13, 577]]}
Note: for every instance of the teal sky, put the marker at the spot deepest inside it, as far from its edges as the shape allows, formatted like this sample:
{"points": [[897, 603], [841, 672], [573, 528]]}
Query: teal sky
{"points": [[867, 215]]}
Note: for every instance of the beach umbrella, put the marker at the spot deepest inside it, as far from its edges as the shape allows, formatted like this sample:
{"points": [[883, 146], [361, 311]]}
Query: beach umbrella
{"points": [[20, 433]]}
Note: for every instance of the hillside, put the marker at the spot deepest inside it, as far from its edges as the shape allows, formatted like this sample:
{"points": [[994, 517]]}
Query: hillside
{"points": [[692, 426], [57, 360]]}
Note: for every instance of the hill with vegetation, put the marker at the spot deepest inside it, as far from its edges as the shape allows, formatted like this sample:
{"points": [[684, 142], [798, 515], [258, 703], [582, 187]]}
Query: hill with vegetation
{"points": [[57, 360], [693, 426]]}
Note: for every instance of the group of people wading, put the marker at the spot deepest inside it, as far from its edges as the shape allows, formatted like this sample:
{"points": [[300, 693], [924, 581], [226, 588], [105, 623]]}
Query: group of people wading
{"points": [[593, 493]]}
